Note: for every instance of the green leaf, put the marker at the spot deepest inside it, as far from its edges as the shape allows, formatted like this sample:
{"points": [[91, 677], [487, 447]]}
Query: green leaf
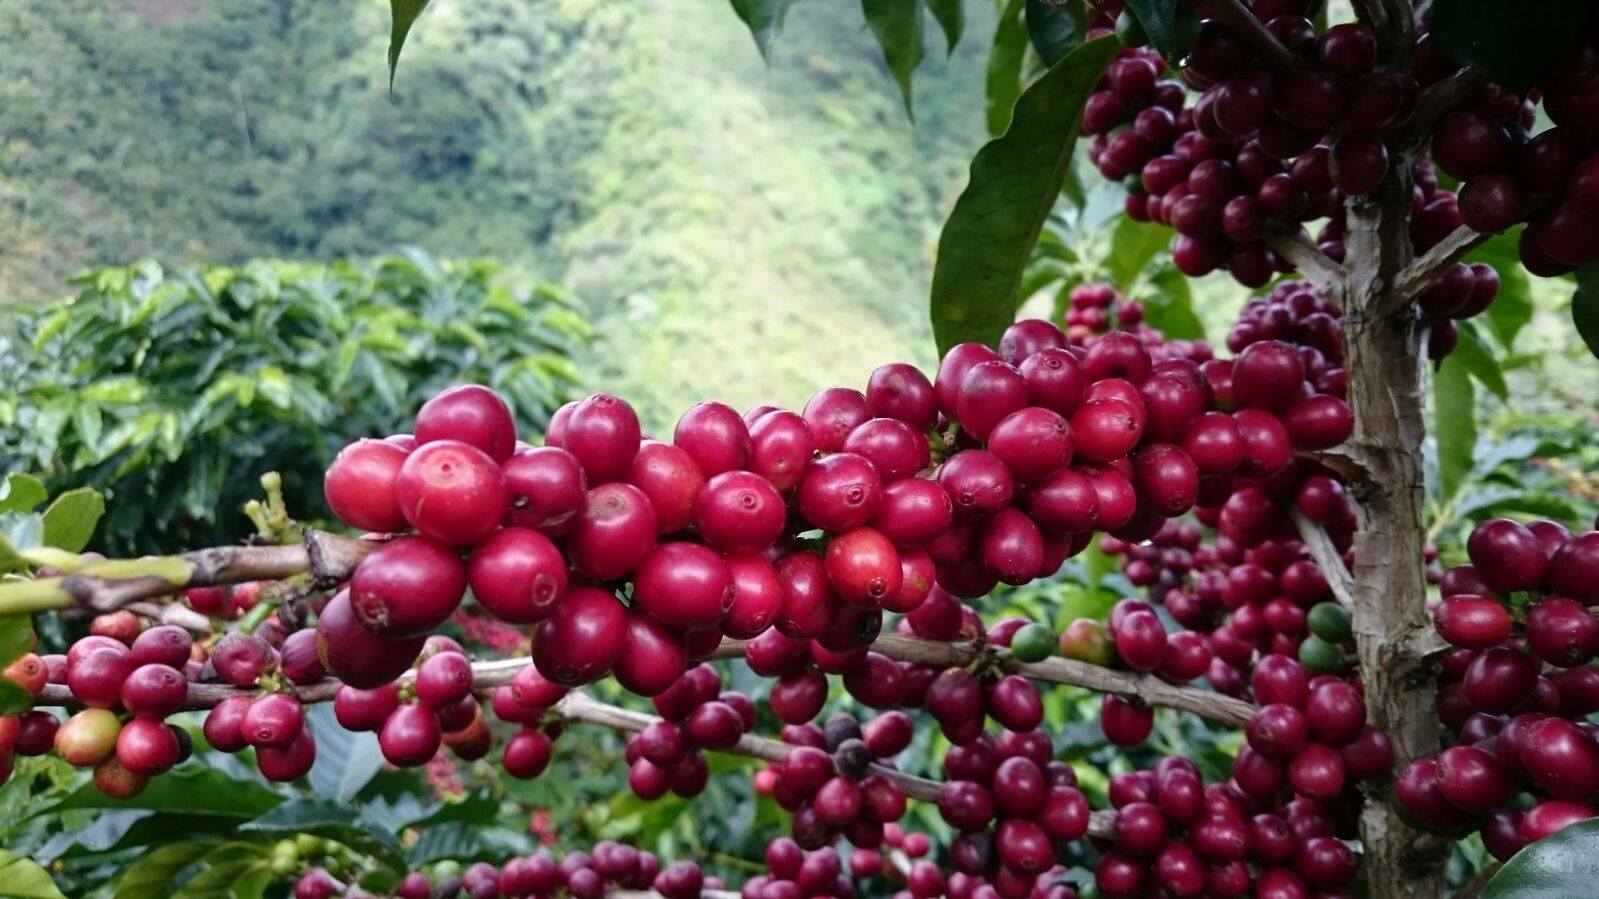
{"points": [[1015, 181], [21, 493], [951, 18], [13, 699], [1511, 309], [152, 875], [1169, 307], [764, 18], [1454, 424], [1477, 359], [1055, 30], [345, 761], [403, 14], [1517, 43], [16, 637], [333, 819], [1005, 58], [1132, 246], [1159, 18], [22, 878], [897, 25], [70, 521], [225, 869], [1585, 306], [1551, 867], [190, 789]]}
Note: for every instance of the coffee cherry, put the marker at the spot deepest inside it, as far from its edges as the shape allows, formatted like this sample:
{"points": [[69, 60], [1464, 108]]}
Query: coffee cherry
{"points": [[354, 654], [740, 512], [410, 736], [153, 691], [714, 436], [653, 656], [757, 597], [407, 587], [1125, 724], [360, 710], [87, 737], [901, 391], [615, 532], [443, 680], [583, 639], [360, 485], [685, 585], [518, 575], [891, 446], [272, 721], [544, 487], [1506, 555], [781, 447], [291, 762], [832, 413], [839, 492], [603, 433], [527, 754], [451, 492]]}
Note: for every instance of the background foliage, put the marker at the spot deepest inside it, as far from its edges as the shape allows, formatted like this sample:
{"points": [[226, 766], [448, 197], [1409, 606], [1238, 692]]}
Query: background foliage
{"points": [[175, 391]]}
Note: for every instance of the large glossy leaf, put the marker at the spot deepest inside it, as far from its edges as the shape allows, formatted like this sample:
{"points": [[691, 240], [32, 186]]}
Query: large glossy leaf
{"points": [[345, 761], [152, 875], [231, 871], [1169, 306], [194, 788], [1004, 80], [1159, 18], [1585, 306], [70, 520], [1512, 307], [764, 19], [1551, 868], [22, 878], [897, 25], [403, 15], [951, 18], [1517, 43], [1454, 424], [1055, 30], [1015, 181], [333, 819]]}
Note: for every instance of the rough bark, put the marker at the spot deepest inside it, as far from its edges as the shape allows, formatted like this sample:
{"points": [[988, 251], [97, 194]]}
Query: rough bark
{"points": [[1385, 361]]}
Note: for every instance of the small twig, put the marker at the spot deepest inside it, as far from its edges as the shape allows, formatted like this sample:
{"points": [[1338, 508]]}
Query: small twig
{"points": [[1440, 98], [108, 585], [1346, 460], [1145, 688], [1328, 559], [1312, 264], [1428, 268], [1243, 23]]}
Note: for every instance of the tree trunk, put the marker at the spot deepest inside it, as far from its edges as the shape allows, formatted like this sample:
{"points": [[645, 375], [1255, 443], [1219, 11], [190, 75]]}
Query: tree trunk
{"points": [[1385, 358]]}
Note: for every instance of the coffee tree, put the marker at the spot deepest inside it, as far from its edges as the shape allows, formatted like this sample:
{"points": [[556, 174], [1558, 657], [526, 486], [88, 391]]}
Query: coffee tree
{"points": [[1271, 502]]}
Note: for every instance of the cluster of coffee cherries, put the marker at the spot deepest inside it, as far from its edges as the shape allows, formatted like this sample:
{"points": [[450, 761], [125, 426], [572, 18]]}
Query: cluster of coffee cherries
{"points": [[579, 875], [1516, 690], [1096, 309], [1264, 147], [1550, 179], [1014, 806], [128, 682], [828, 782], [1175, 836], [696, 714], [412, 722]]}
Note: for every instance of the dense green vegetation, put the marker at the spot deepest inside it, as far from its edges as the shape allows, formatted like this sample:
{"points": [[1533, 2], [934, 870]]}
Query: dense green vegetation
{"points": [[709, 209]]}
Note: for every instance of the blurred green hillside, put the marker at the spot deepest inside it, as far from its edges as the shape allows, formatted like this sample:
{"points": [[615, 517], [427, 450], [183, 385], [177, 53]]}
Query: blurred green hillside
{"points": [[738, 231]]}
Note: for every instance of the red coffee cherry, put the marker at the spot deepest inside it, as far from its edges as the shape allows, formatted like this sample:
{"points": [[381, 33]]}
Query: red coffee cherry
{"points": [[583, 639], [451, 492], [603, 433], [672, 480], [545, 488], [518, 575], [653, 656], [684, 585], [740, 512], [616, 531], [472, 414], [407, 587], [360, 485], [781, 447], [356, 655]]}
